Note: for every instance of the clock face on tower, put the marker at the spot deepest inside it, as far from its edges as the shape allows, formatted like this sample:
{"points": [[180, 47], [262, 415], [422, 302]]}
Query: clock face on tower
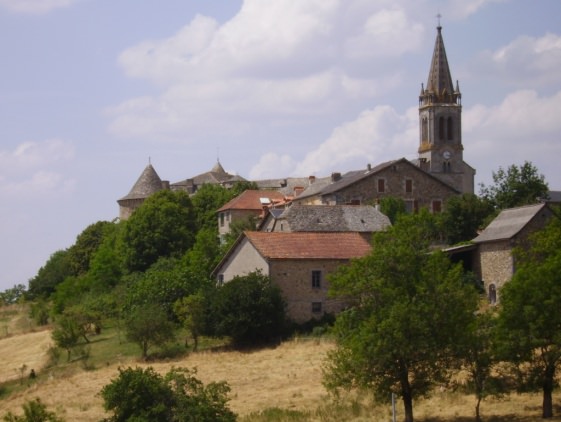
{"points": [[446, 155]]}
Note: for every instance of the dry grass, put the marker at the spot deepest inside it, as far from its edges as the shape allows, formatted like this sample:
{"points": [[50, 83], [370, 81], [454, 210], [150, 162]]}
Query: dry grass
{"points": [[286, 377]]}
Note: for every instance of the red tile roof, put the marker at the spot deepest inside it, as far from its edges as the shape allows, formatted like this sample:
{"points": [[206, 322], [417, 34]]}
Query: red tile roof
{"points": [[302, 245], [251, 200]]}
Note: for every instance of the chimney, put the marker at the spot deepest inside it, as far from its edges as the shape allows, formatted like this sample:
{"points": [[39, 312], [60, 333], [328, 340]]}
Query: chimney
{"points": [[298, 190], [335, 176], [369, 167], [311, 179], [165, 184]]}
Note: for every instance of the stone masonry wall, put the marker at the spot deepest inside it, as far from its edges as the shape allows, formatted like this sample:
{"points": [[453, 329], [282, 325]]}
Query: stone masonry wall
{"points": [[425, 189], [294, 277]]}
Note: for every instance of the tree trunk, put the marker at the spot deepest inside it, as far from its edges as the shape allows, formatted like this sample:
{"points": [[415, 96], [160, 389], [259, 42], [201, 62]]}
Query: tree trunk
{"points": [[406, 394], [547, 406], [477, 405]]}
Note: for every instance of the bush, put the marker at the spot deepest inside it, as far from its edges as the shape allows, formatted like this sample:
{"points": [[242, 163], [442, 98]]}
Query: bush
{"points": [[144, 395], [250, 310]]}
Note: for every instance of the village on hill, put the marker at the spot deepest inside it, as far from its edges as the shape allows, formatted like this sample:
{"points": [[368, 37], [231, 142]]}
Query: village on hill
{"points": [[358, 257]]}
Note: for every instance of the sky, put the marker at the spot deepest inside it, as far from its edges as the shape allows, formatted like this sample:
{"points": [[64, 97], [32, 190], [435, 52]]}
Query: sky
{"points": [[91, 91]]}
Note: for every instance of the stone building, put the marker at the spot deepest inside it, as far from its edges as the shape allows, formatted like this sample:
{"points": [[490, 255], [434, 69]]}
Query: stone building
{"points": [[298, 263], [494, 261], [147, 184]]}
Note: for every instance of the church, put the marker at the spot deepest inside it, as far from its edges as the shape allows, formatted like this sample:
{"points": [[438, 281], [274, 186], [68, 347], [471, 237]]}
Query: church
{"points": [[438, 173]]}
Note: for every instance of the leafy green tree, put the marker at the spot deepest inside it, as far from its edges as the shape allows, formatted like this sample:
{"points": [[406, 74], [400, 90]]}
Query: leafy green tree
{"points": [[163, 226], [237, 228], [55, 270], [33, 411], [191, 312], [529, 316], [409, 311], [249, 309], [464, 216], [66, 334], [12, 295], [205, 254], [106, 264], [392, 207], [138, 395], [143, 395], [479, 359], [206, 201], [165, 282], [149, 326], [87, 243], [515, 186]]}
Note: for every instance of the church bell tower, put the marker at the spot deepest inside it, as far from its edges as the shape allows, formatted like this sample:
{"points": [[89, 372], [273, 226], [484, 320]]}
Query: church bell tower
{"points": [[440, 124]]}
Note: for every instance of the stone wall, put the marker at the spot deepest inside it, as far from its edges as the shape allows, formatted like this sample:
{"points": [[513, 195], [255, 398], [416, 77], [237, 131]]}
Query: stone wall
{"points": [[294, 277], [425, 189]]}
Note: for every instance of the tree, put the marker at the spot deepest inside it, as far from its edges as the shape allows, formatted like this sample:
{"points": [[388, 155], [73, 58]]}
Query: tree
{"points": [[33, 411], [479, 357], [191, 311], [529, 318], [392, 207], [148, 326], [87, 243], [13, 295], [464, 216], [55, 270], [249, 309], [163, 226], [409, 311], [206, 201], [66, 334], [144, 395], [516, 186]]}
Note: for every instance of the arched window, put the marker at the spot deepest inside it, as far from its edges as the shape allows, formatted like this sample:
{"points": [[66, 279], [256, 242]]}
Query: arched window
{"points": [[441, 129], [450, 128], [492, 294], [425, 130]]}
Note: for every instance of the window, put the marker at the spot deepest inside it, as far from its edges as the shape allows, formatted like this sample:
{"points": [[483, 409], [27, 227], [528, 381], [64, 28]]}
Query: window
{"points": [[436, 206], [220, 279], [441, 128], [381, 185], [450, 129], [408, 185], [221, 219], [316, 279], [316, 307], [492, 294]]}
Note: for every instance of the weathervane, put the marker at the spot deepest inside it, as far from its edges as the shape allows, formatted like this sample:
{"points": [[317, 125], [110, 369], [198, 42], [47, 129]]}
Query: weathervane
{"points": [[438, 16]]}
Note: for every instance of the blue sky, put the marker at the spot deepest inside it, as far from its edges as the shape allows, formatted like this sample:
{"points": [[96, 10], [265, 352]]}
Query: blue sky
{"points": [[91, 89]]}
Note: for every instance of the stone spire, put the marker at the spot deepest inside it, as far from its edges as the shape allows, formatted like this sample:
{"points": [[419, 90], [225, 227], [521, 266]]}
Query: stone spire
{"points": [[440, 88]]}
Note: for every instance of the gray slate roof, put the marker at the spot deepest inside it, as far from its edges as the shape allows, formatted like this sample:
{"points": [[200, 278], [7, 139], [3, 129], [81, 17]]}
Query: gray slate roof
{"points": [[335, 218], [509, 223], [147, 184]]}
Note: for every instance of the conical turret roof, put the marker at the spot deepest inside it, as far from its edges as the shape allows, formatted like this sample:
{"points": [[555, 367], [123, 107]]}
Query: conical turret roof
{"points": [[147, 184]]}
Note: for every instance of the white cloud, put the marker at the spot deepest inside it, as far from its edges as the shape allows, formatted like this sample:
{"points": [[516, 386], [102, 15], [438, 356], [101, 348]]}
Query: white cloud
{"points": [[523, 127], [279, 60], [35, 6], [459, 9], [32, 168], [528, 61], [375, 136]]}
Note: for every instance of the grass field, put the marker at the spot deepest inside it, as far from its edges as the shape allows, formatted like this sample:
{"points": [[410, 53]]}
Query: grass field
{"points": [[275, 384]]}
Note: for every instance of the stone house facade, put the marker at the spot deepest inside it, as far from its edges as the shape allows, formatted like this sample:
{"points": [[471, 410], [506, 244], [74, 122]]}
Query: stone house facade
{"points": [[298, 263], [399, 178], [494, 262]]}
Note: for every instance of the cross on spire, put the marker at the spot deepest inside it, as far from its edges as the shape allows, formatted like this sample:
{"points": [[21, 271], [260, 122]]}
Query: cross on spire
{"points": [[438, 16]]}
